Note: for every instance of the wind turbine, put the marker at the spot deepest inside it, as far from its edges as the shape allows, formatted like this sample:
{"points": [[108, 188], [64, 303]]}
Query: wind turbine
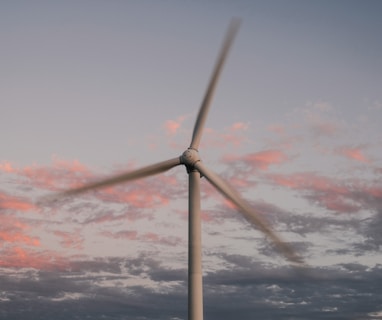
{"points": [[196, 170]]}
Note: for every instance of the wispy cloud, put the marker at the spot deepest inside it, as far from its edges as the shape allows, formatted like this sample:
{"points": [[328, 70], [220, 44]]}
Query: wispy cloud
{"points": [[145, 193], [20, 257], [6, 166], [15, 231], [261, 160], [172, 126], [144, 237], [126, 234], [342, 196], [61, 174], [70, 239], [64, 174], [234, 136], [8, 202], [353, 153]]}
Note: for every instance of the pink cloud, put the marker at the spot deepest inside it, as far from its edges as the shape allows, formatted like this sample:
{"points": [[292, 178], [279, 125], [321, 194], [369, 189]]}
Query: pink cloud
{"points": [[172, 126], [342, 196], [146, 193], [308, 180], [264, 159], [13, 230], [239, 126], [62, 174], [353, 154], [139, 195], [15, 203], [18, 257], [258, 160], [229, 204], [240, 182], [375, 191], [338, 203], [7, 167]]}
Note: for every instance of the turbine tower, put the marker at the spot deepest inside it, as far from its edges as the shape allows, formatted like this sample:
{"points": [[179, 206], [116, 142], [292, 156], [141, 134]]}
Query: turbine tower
{"points": [[196, 169]]}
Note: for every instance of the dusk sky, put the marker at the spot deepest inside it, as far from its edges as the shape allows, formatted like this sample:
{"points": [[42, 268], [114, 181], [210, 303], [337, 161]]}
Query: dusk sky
{"points": [[89, 89]]}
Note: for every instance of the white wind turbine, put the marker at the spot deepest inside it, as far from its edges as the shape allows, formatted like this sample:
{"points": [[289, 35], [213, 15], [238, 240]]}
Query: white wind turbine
{"points": [[196, 169]]}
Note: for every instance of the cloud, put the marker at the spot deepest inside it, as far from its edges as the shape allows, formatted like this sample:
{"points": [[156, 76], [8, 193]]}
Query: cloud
{"points": [[144, 287], [135, 195], [19, 257], [7, 167], [145, 237], [173, 126], [150, 192], [261, 160], [8, 202], [234, 135], [302, 227], [109, 216], [239, 126], [62, 174], [154, 237], [264, 159], [328, 193], [70, 239], [353, 153], [95, 286], [13, 231], [341, 196], [289, 294], [125, 234]]}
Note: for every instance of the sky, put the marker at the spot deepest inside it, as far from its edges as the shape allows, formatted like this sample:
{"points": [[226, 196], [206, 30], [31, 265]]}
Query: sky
{"points": [[94, 88]]}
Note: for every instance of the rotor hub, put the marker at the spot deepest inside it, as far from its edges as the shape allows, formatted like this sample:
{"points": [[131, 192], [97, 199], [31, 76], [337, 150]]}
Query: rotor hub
{"points": [[190, 157]]}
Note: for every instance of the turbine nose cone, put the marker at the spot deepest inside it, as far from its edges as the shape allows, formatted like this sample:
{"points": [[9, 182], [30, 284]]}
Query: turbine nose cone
{"points": [[190, 157]]}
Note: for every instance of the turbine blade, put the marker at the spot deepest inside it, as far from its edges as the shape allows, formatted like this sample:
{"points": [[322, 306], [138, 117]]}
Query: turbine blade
{"points": [[248, 212], [203, 111], [124, 177]]}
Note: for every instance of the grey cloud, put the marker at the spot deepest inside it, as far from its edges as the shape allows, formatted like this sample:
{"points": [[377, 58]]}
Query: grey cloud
{"points": [[348, 292], [246, 289]]}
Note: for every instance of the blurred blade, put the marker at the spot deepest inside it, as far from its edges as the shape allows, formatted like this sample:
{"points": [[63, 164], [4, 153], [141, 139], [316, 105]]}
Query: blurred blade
{"points": [[248, 212], [203, 111], [125, 177]]}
